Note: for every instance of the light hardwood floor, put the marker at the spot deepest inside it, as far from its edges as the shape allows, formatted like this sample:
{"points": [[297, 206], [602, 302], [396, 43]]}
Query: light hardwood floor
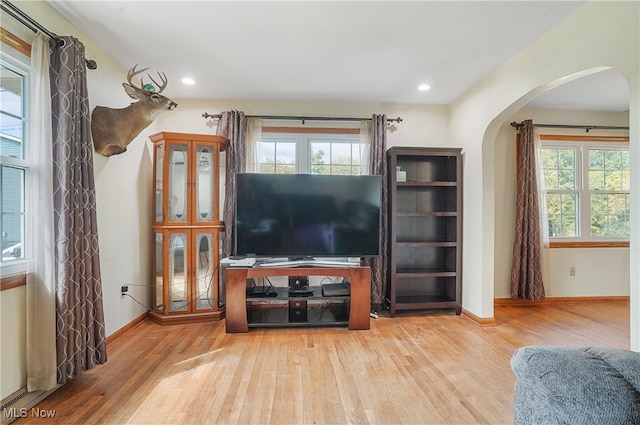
{"points": [[412, 369]]}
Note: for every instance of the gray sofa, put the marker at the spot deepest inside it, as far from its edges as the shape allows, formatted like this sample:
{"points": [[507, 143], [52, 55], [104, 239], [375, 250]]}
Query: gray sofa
{"points": [[563, 385]]}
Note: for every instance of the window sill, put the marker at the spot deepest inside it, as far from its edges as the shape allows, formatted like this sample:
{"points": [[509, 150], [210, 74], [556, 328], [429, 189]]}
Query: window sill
{"points": [[588, 244], [13, 281]]}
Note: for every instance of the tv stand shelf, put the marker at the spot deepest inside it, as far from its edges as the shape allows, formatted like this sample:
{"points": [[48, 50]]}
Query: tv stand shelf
{"points": [[284, 294], [245, 311]]}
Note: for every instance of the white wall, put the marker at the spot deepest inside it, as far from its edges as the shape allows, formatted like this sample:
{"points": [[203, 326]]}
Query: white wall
{"points": [[599, 271], [13, 352], [421, 126], [598, 35]]}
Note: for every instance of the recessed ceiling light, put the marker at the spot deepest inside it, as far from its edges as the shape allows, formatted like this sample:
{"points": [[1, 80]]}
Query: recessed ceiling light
{"points": [[188, 81], [424, 87]]}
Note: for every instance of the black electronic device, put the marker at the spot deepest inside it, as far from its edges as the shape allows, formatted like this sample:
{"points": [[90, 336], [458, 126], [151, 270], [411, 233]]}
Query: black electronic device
{"points": [[305, 215], [260, 294], [300, 292], [336, 289], [298, 282]]}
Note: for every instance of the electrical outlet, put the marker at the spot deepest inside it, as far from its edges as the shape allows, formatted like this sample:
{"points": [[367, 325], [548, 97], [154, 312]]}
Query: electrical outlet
{"points": [[572, 271], [124, 289]]}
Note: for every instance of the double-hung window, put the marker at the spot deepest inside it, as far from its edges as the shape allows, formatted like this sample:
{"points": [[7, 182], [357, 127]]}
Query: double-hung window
{"points": [[587, 190], [14, 168], [307, 153]]}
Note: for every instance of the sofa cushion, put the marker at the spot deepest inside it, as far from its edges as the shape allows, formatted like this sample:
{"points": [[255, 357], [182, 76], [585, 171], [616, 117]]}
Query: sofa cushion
{"points": [[563, 385]]}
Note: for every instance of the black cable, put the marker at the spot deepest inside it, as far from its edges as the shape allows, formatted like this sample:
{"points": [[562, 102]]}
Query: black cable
{"points": [[208, 289], [207, 292], [127, 295]]}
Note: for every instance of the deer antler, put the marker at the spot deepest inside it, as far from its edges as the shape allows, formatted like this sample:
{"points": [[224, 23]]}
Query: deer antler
{"points": [[132, 73], [161, 87]]}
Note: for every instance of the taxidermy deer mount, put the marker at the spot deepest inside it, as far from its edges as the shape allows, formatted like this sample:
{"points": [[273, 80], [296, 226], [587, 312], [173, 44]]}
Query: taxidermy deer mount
{"points": [[113, 129]]}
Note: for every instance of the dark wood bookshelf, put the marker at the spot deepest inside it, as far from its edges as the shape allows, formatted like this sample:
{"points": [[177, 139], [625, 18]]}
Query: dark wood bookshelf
{"points": [[425, 229]]}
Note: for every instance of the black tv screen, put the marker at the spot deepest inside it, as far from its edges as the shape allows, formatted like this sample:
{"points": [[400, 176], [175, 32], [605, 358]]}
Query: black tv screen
{"points": [[307, 215]]}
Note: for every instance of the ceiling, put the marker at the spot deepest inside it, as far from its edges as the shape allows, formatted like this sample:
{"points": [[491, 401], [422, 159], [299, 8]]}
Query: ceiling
{"points": [[333, 51]]}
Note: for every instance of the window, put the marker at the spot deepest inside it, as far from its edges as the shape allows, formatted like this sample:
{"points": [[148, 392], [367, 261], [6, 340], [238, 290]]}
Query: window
{"points": [[13, 161], [587, 190], [290, 153], [335, 157], [278, 156]]}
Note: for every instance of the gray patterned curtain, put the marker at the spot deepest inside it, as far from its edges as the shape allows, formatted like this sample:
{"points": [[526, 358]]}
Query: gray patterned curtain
{"points": [[378, 166], [80, 331], [233, 126], [526, 272]]}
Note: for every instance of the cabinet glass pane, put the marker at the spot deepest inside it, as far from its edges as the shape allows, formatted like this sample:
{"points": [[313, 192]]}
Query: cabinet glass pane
{"points": [[222, 181], [159, 182], [204, 271], [205, 180], [159, 269], [221, 288], [177, 182], [178, 300]]}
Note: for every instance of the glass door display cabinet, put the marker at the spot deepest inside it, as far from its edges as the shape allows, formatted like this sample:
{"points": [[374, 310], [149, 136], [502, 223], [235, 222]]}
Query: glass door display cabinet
{"points": [[188, 179], [425, 228]]}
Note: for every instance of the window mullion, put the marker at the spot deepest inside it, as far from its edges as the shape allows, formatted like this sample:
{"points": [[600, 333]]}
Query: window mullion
{"points": [[584, 197]]}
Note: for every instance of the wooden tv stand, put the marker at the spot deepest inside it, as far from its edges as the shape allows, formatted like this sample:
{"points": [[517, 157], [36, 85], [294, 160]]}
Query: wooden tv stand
{"points": [[359, 302]]}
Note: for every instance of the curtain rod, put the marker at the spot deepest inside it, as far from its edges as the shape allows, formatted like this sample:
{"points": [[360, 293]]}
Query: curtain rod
{"points": [[34, 26], [517, 125], [303, 119]]}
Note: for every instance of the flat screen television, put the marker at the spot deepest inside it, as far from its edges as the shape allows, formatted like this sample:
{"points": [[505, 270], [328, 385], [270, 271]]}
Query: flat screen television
{"points": [[307, 215]]}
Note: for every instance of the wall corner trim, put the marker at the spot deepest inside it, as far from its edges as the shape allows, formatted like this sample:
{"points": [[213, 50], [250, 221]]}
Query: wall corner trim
{"points": [[126, 328], [480, 321]]}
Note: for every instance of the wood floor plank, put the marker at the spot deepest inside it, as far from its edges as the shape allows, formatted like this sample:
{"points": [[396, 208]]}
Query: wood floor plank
{"points": [[416, 368]]}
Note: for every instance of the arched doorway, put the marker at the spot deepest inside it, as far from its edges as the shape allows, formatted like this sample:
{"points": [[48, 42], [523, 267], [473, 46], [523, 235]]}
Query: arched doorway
{"points": [[578, 102]]}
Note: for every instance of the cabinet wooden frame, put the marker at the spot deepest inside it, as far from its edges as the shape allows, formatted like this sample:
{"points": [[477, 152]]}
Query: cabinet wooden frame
{"points": [[190, 142], [192, 266], [197, 307]]}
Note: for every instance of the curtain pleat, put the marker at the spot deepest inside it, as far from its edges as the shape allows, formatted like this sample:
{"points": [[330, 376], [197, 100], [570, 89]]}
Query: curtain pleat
{"points": [[526, 273], [232, 125], [41, 306], [81, 340], [254, 135], [378, 166]]}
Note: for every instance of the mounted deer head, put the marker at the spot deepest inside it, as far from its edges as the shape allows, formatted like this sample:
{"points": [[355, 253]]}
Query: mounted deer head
{"points": [[113, 129]]}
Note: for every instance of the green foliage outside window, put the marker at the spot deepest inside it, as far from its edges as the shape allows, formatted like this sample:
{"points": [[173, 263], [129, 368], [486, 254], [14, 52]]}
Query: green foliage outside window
{"points": [[606, 190], [335, 158]]}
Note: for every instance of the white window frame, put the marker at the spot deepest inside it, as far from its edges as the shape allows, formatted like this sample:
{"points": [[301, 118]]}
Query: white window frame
{"points": [[303, 145], [20, 64], [582, 189]]}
